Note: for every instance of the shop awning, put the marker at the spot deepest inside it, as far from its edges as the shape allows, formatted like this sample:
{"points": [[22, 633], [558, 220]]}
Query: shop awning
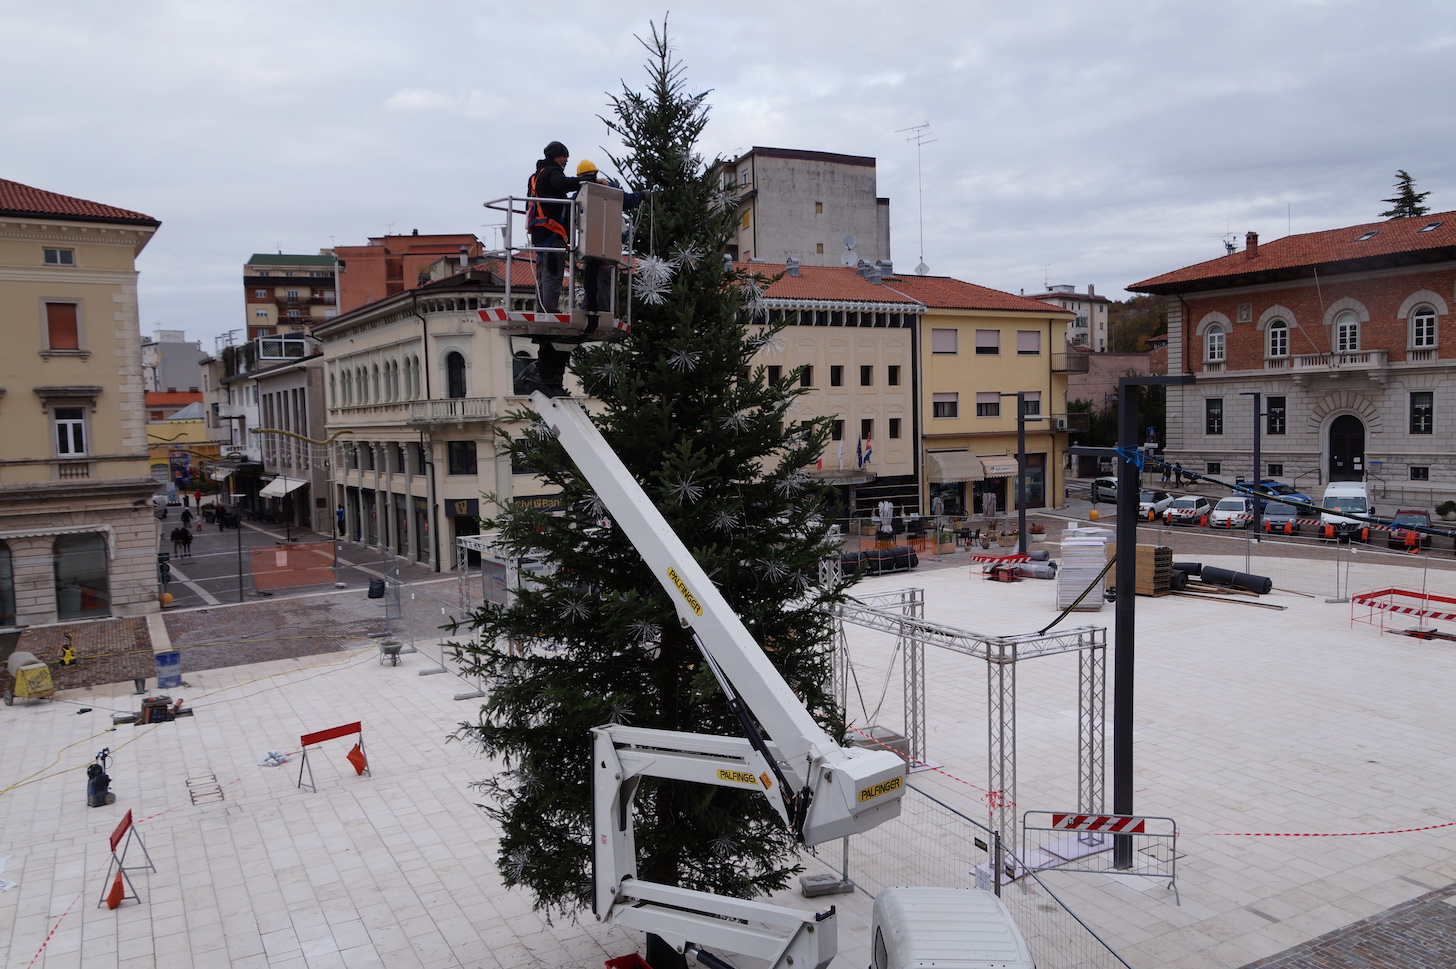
{"points": [[281, 486], [219, 474], [1003, 467], [945, 467]]}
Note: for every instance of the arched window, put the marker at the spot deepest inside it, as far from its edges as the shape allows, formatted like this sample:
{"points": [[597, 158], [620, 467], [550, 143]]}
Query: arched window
{"points": [[333, 392], [377, 394], [83, 588], [1347, 332], [1213, 344], [454, 375], [1278, 336], [1423, 327], [419, 383], [361, 385], [7, 587]]}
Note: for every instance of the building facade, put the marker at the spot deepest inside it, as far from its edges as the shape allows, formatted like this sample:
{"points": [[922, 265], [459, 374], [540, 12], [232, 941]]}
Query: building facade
{"points": [[389, 265], [1089, 328], [979, 347], [1342, 334], [288, 293], [417, 389], [856, 340], [78, 538], [802, 204]]}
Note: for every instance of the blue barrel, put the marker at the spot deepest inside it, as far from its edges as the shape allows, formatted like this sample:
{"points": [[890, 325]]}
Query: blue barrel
{"points": [[169, 670]]}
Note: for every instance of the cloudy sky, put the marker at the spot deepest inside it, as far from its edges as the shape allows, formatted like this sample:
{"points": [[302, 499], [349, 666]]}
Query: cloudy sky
{"points": [[1074, 142]]}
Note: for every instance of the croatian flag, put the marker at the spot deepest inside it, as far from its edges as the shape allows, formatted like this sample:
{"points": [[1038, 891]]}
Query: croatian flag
{"points": [[869, 450]]}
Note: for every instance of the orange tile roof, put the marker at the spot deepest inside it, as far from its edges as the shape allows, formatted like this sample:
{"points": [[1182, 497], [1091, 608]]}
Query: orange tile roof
{"points": [[18, 199], [178, 398], [824, 283], [1395, 238], [944, 292]]}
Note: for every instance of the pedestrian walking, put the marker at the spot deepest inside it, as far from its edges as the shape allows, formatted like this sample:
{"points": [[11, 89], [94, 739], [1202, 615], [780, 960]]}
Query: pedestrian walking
{"points": [[1178, 474], [187, 517], [178, 539], [340, 516], [186, 543]]}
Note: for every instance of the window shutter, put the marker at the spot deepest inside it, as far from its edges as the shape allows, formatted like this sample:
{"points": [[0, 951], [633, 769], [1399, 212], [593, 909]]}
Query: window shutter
{"points": [[63, 332]]}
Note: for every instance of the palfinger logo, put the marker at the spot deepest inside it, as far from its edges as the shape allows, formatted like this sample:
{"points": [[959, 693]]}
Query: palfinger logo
{"points": [[685, 592], [884, 787], [738, 777]]}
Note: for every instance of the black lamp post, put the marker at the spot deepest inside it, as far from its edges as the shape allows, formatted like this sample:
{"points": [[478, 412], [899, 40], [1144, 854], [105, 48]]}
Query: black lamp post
{"points": [[238, 527], [1258, 461]]}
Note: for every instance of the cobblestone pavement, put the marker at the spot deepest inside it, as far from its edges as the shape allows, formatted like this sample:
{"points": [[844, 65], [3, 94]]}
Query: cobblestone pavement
{"points": [[107, 651], [1418, 934]]}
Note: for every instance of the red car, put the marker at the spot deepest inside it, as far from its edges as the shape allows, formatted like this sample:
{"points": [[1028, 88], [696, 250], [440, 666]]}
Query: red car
{"points": [[1403, 538]]}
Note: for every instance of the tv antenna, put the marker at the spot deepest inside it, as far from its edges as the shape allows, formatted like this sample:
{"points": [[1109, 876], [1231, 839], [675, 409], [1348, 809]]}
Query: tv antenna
{"points": [[921, 137]]}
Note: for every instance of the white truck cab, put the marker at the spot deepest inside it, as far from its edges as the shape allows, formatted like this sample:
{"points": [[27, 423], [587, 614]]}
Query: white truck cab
{"points": [[1345, 496], [945, 928]]}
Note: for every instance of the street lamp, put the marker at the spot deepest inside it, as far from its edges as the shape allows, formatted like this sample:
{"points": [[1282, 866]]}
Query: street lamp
{"points": [[238, 527], [1258, 461]]}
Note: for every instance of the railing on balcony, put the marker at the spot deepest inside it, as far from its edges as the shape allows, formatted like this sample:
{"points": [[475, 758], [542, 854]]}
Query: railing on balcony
{"points": [[1070, 362], [66, 470], [1341, 360], [452, 409], [1424, 355], [281, 348]]}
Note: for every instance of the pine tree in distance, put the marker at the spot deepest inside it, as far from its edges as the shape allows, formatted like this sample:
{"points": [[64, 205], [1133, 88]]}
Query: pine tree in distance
{"points": [[1407, 201], [717, 449]]}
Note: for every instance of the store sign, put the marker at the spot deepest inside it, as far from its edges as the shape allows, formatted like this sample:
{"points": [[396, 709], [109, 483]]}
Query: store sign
{"points": [[546, 503], [463, 508]]}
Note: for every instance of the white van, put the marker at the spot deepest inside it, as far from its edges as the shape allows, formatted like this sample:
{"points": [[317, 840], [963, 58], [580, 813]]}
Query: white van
{"points": [[944, 928], [1346, 496]]}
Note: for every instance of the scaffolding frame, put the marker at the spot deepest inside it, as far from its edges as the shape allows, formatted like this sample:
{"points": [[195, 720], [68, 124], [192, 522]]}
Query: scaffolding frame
{"points": [[900, 612]]}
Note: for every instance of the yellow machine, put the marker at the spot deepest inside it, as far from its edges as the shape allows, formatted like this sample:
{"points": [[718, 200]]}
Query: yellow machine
{"points": [[32, 678]]}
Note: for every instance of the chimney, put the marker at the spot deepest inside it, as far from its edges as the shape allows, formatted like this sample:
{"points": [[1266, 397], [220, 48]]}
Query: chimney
{"points": [[1251, 245], [791, 266], [1091, 290]]}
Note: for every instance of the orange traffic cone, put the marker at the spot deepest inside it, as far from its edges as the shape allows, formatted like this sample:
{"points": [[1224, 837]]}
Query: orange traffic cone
{"points": [[117, 893]]}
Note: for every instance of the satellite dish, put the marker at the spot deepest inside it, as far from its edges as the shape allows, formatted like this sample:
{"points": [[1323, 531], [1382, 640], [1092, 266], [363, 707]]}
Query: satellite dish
{"points": [[849, 241], [849, 258]]}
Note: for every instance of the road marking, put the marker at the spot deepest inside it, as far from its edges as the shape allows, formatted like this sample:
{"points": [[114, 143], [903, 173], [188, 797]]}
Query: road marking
{"points": [[207, 597]]}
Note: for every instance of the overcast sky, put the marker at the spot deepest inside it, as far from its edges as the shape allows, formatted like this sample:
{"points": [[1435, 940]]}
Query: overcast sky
{"points": [[1075, 142]]}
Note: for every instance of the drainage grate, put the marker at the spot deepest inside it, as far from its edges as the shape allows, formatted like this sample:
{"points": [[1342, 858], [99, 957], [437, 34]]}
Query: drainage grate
{"points": [[204, 789]]}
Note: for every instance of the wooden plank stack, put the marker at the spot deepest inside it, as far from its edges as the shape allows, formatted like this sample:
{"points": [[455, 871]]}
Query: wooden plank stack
{"points": [[1154, 569]]}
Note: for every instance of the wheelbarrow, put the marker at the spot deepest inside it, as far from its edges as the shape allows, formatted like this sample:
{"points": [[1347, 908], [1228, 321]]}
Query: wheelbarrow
{"points": [[32, 678]]}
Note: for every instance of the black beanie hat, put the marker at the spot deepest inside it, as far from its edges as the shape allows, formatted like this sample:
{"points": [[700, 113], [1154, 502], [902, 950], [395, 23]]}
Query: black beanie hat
{"points": [[555, 150]]}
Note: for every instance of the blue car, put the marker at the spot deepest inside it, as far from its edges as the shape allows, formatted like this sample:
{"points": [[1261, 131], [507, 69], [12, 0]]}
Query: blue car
{"points": [[1270, 490]]}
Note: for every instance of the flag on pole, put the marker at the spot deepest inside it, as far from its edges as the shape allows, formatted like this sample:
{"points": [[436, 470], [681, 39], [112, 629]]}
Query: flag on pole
{"points": [[859, 452], [869, 450], [841, 454], [819, 464]]}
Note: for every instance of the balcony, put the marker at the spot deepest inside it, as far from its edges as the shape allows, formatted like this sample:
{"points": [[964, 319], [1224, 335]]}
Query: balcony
{"points": [[1366, 363], [452, 410], [1070, 362]]}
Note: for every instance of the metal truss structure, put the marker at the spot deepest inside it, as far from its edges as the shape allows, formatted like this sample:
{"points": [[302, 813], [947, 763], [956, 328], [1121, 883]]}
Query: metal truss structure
{"points": [[901, 613]]}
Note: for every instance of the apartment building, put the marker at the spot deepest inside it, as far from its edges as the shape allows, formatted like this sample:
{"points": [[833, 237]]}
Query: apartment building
{"points": [[979, 348], [1089, 327], [285, 293], [1342, 334], [77, 534], [389, 265], [795, 204], [855, 340]]}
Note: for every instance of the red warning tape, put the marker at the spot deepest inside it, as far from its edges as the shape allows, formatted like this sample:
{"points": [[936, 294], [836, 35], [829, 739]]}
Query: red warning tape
{"points": [[993, 799], [1324, 834]]}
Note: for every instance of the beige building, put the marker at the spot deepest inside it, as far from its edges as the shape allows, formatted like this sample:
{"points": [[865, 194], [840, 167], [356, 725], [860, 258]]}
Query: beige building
{"points": [[855, 339], [1090, 327], [802, 204], [78, 539], [421, 386]]}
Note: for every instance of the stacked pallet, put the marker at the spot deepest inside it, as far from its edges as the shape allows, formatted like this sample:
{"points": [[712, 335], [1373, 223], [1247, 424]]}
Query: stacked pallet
{"points": [[1082, 560], [1154, 569]]}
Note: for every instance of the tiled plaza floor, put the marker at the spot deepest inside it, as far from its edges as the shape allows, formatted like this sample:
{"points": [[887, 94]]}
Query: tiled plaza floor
{"points": [[1250, 723]]}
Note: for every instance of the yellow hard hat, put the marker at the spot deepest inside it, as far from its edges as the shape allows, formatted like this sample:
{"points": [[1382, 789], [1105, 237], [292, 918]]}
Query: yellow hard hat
{"points": [[585, 165]]}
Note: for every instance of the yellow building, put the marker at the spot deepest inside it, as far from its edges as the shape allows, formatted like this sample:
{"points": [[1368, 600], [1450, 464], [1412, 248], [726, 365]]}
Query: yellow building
{"points": [[77, 535], [978, 348]]}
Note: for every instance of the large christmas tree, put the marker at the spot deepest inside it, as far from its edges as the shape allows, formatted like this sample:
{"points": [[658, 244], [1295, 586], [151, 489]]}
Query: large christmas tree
{"points": [[717, 448]]}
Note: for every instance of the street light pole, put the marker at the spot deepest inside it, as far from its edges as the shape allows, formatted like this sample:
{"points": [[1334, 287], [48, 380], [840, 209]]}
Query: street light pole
{"points": [[1258, 461], [238, 527], [1021, 539]]}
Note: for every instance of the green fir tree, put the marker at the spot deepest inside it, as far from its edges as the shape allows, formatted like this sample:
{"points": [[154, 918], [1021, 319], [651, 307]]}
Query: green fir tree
{"points": [[717, 448], [1407, 201]]}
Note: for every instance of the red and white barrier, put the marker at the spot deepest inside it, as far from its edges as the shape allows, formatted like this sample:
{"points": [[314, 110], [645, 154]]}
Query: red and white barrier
{"points": [[1111, 823]]}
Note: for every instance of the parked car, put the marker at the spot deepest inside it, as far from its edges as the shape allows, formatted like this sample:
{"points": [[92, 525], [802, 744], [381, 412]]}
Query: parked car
{"points": [[1187, 510], [1282, 518], [1104, 489], [1235, 511], [1155, 502], [1270, 490], [1400, 537]]}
